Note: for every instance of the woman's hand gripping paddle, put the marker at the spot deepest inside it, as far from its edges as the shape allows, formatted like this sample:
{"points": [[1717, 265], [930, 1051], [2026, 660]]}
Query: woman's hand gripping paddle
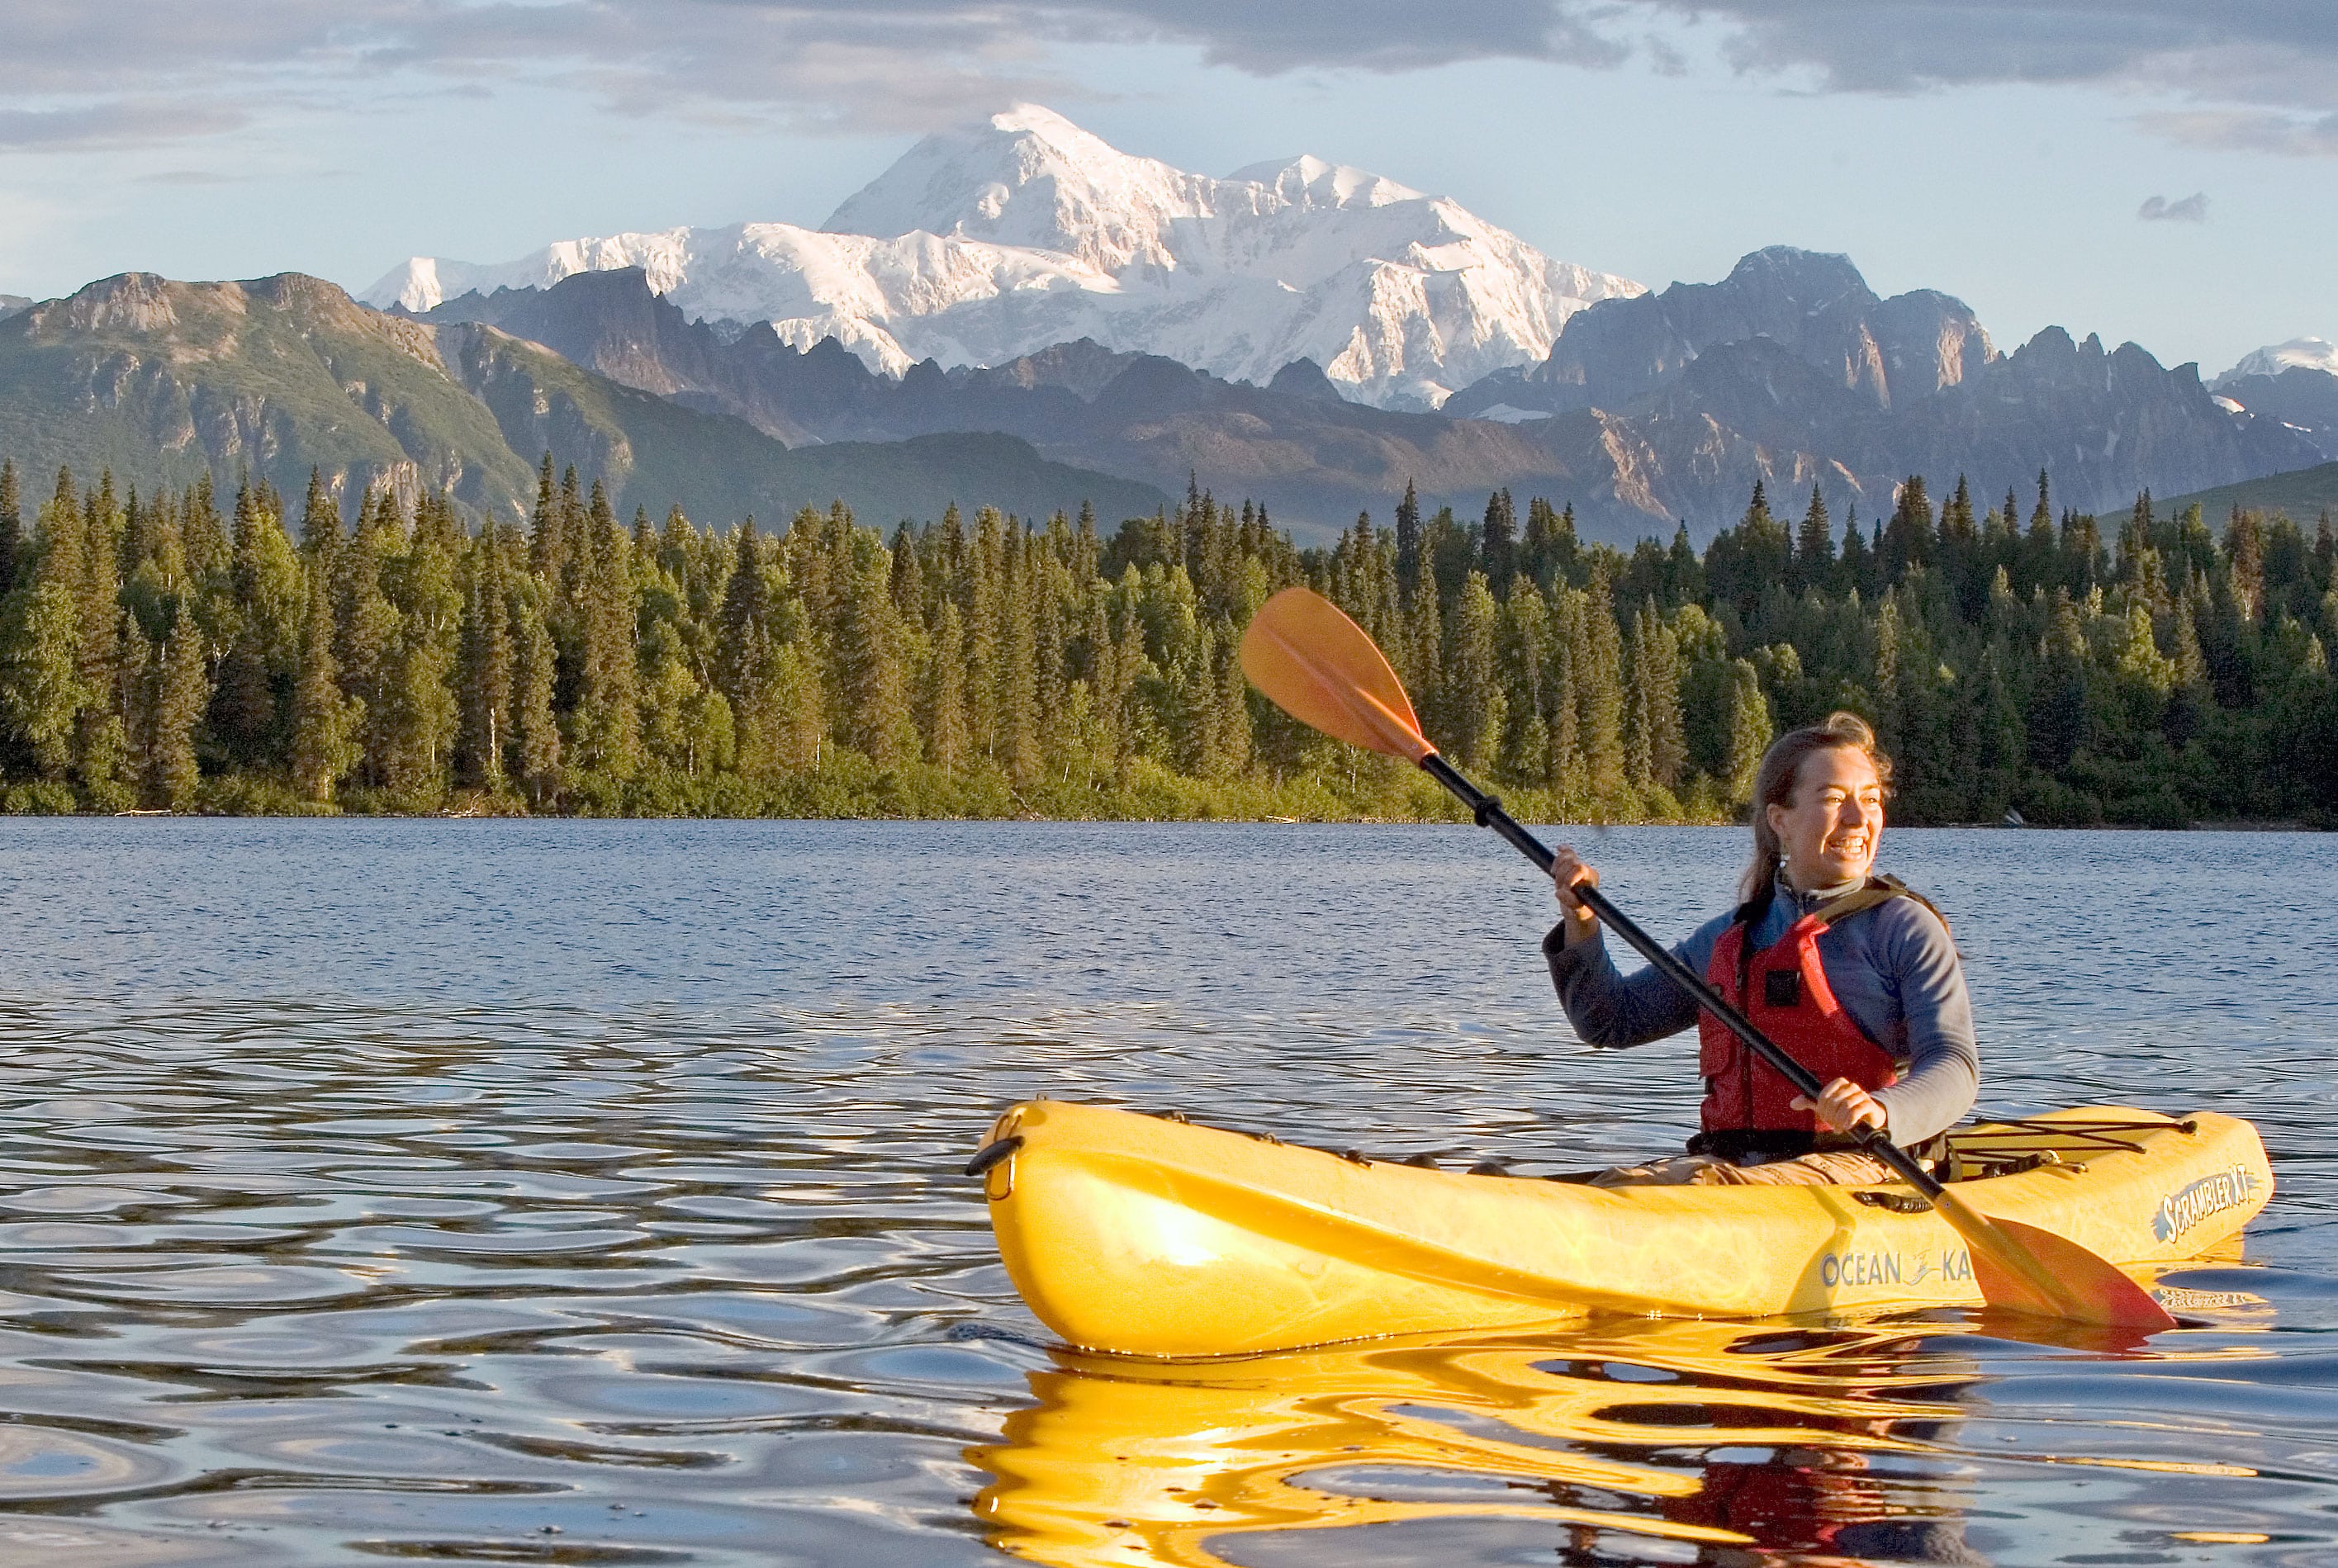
{"points": [[1320, 667]]}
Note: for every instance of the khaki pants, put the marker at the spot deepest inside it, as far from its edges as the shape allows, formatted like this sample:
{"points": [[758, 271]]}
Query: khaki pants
{"points": [[1826, 1168]]}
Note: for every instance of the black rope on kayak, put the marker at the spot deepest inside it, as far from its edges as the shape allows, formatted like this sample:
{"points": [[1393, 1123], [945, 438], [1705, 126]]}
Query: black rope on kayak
{"points": [[991, 1154]]}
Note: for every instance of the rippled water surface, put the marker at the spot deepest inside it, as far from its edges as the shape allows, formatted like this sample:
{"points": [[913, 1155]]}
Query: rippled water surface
{"points": [[585, 1192]]}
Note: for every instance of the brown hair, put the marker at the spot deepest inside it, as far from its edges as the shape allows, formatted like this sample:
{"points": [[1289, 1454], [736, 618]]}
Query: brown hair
{"points": [[1773, 785]]}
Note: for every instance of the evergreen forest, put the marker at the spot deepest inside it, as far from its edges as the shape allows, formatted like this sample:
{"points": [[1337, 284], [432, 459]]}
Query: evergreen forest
{"points": [[190, 652]]}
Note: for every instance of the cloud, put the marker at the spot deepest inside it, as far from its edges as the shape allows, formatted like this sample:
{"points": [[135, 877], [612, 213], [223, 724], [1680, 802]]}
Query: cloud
{"points": [[2191, 209], [2258, 73], [2250, 131], [115, 123]]}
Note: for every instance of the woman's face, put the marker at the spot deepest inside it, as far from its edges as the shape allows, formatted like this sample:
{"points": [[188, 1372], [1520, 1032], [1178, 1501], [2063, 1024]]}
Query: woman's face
{"points": [[1830, 824]]}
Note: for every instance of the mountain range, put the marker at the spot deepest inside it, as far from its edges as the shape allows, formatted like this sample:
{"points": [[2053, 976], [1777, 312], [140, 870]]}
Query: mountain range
{"points": [[1294, 444], [1647, 409], [982, 245], [160, 382]]}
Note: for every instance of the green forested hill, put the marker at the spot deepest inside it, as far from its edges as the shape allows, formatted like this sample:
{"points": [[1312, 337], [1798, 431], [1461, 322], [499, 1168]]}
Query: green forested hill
{"points": [[2302, 494], [160, 383]]}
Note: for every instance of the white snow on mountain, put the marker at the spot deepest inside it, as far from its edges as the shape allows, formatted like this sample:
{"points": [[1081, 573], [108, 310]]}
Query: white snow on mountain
{"points": [[977, 245], [2305, 353]]}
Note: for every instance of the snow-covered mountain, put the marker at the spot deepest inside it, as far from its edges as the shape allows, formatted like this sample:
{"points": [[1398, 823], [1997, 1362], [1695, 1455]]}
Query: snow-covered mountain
{"points": [[2298, 353], [982, 245]]}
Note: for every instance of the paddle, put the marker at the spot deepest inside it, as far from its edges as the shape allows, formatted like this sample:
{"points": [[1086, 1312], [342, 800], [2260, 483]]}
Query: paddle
{"points": [[1320, 667]]}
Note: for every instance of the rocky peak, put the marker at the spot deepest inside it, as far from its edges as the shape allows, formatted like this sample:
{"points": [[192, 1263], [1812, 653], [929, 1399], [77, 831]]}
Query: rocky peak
{"points": [[1084, 368], [128, 303], [1618, 352], [1305, 379]]}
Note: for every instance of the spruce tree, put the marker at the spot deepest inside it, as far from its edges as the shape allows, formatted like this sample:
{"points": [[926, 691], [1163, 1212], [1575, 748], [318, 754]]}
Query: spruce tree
{"points": [[365, 627], [2058, 710], [982, 598], [875, 710], [1750, 731], [1548, 549], [908, 585], [1908, 538], [323, 719], [320, 522], [1814, 547], [1525, 637], [1471, 707], [534, 671], [941, 696], [1016, 703], [262, 636], [2244, 552], [1999, 740], [1233, 720], [547, 543], [204, 532], [486, 662], [1598, 661], [606, 727], [1563, 767], [419, 719], [1421, 661], [1497, 539], [42, 688], [1408, 542], [1655, 750], [744, 630]]}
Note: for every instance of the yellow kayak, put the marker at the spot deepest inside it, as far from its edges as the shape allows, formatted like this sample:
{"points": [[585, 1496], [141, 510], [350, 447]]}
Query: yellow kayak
{"points": [[1147, 1235]]}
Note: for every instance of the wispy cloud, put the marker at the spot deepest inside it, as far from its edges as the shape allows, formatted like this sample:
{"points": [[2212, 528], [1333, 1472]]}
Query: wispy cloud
{"points": [[114, 122], [2250, 131], [2191, 209]]}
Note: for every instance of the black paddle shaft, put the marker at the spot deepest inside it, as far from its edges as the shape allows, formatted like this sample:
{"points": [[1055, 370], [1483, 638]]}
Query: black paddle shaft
{"points": [[1489, 813]]}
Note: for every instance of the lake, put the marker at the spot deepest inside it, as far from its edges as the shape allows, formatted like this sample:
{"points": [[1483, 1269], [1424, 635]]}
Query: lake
{"points": [[589, 1192]]}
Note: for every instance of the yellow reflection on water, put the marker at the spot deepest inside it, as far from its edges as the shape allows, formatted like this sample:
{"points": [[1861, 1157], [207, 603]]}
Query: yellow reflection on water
{"points": [[1728, 1438]]}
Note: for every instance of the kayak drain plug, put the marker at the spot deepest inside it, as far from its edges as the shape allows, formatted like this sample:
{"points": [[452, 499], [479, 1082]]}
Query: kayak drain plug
{"points": [[990, 1154]]}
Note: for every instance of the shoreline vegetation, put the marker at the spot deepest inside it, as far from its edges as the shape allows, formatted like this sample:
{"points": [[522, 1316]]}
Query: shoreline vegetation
{"points": [[181, 653]]}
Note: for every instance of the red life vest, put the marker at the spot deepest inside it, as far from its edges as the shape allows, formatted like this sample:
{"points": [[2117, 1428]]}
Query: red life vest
{"points": [[1783, 990]]}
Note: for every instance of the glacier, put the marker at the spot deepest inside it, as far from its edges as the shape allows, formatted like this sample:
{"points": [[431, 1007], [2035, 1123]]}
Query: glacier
{"points": [[983, 244]]}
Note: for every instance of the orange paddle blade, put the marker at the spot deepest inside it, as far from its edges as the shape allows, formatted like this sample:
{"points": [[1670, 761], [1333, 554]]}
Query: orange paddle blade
{"points": [[1320, 667], [2025, 1269]]}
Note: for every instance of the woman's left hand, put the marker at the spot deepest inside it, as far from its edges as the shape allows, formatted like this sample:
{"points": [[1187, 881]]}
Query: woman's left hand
{"points": [[1844, 1105]]}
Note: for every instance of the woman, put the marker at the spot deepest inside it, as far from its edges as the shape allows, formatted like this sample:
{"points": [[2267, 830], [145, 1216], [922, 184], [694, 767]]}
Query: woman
{"points": [[1853, 975]]}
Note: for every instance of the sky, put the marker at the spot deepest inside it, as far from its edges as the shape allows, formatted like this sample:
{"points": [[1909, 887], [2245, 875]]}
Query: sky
{"points": [[2157, 171]]}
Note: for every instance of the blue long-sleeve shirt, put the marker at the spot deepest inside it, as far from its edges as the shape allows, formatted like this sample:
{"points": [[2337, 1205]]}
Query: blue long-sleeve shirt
{"points": [[1893, 968]]}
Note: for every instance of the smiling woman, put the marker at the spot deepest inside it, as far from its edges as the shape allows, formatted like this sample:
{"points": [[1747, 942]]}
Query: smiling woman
{"points": [[1855, 974]]}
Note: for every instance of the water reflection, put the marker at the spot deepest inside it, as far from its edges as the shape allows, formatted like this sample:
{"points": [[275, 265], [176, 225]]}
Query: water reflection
{"points": [[1727, 1445], [1728, 1441]]}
